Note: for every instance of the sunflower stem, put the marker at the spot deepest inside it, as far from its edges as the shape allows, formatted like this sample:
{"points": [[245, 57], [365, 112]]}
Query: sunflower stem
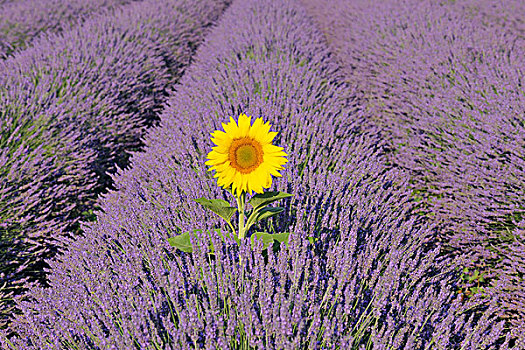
{"points": [[241, 201]]}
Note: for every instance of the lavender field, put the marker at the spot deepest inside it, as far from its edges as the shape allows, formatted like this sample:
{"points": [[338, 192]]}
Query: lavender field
{"points": [[403, 122]]}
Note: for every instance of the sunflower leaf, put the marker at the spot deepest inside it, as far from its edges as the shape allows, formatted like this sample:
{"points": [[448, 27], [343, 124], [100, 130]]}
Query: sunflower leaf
{"points": [[218, 206], [268, 238], [223, 237], [265, 213], [262, 213], [181, 242], [281, 237], [263, 199]]}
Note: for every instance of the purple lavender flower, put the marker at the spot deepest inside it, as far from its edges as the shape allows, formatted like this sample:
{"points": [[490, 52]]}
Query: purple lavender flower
{"points": [[444, 80], [72, 106], [374, 276], [22, 21]]}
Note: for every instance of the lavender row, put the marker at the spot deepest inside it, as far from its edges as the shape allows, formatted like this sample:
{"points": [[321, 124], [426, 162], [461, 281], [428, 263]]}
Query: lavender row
{"points": [[447, 80], [71, 108], [373, 277], [22, 21]]}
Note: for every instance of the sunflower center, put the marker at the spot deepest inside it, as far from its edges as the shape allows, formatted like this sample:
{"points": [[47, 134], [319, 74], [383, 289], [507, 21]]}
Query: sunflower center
{"points": [[246, 155]]}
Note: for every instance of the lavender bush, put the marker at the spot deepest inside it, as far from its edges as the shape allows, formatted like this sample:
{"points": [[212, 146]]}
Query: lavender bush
{"points": [[446, 79], [373, 279], [511, 271], [22, 21], [71, 107]]}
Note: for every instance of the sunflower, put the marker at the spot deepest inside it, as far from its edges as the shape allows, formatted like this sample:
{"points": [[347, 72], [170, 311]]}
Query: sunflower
{"points": [[245, 157]]}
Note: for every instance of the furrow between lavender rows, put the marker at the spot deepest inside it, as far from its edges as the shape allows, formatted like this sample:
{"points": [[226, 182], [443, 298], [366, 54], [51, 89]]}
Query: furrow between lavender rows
{"points": [[71, 107], [374, 275], [22, 21], [445, 80]]}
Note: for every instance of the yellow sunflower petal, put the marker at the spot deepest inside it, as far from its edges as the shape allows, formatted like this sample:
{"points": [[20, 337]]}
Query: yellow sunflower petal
{"points": [[244, 182], [244, 125], [237, 183], [266, 127], [268, 138], [255, 182], [256, 130], [231, 128], [270, 149], [218, 135], [222, 141], [217, 157], [268, 181], [263, 134]]}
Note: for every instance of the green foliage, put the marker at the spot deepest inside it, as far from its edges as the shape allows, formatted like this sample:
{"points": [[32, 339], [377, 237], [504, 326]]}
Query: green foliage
{"points": [[218, 206], [183, 243], [268, 238], [259, 212], [471, 283], [260, 200], [312, 239], [265, 213]]}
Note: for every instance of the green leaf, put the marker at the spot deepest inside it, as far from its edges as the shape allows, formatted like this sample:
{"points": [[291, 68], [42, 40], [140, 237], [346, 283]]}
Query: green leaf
{"points": [[219, 232], [268, 238], [218, 206], [474, 276], [236, 238], [263, 199], [312, 239], [265, 213], [281, 237], [181, 242]]}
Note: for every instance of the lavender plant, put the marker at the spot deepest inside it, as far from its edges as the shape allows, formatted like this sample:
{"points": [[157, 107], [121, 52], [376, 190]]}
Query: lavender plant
{"points": [[71, 107], [22, 21], [445, 79], [511, 271], [373, 278]]}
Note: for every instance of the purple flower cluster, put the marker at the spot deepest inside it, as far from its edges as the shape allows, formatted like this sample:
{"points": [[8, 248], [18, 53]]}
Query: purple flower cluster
{"points": [[445, 80], [373, 279], [70, 109], [511, 269], [22, 21]]}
